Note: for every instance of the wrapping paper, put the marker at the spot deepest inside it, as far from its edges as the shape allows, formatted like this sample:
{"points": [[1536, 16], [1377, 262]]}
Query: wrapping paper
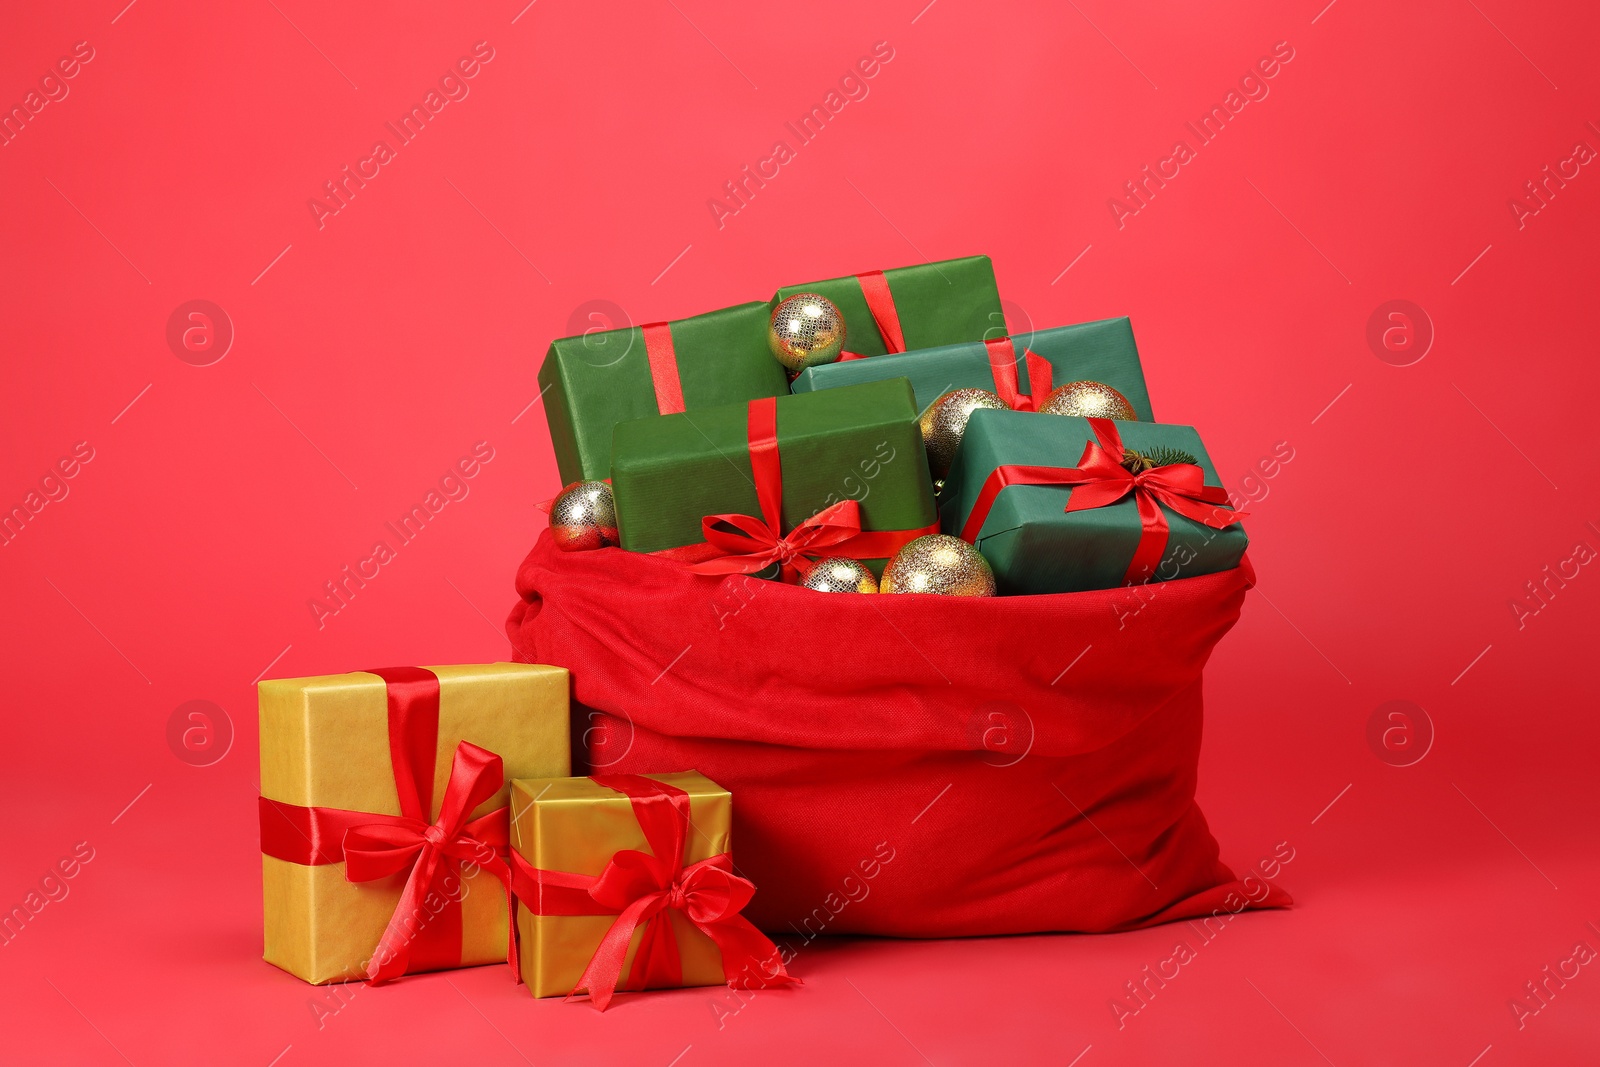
{"points": [[326, 743], [1098, 351], [1034, 545], [938, 303], [594, 381], [859, 445], [576, 825]]}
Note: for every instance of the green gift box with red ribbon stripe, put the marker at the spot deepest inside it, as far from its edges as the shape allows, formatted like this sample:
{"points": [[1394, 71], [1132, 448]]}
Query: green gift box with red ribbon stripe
{"points": [[1022, 370], [595, 380], [922, 306], [1059, 504], [776, 481]]}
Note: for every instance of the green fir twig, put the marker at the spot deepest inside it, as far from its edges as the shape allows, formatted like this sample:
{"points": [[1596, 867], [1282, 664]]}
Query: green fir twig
{"points": [[1159, 456]]}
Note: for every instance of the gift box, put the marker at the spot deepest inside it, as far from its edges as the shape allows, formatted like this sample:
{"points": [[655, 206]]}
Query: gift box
{"points": [[384, 823], [594, 381], [626, 881], [739, 488], [1021, 370], [930, 304], [1048, 526]]}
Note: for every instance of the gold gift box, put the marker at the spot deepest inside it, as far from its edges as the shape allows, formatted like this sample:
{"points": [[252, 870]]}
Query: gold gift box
{"points": [[325, 743], [576, 825]]}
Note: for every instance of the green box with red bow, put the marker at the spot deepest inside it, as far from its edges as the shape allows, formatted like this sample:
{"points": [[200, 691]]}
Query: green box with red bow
{"points": [[1059, 504], [923, 306], [744, 487], [594, 381], [1021, 370]]}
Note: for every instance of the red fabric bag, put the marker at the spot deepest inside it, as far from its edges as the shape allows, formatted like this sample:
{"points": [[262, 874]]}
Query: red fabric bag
{"points": [[909, 765]]}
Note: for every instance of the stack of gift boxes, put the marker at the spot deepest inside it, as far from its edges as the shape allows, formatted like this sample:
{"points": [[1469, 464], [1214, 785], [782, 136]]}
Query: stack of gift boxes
{"points": [[871, 434]]}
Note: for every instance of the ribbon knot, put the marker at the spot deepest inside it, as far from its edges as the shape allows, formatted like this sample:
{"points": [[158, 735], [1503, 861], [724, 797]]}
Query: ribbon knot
{"points": [[787, 549], [678, 896]]}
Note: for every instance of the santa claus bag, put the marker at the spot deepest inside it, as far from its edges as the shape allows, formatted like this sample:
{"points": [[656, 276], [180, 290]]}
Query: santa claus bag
{"points": [[909, 765]]}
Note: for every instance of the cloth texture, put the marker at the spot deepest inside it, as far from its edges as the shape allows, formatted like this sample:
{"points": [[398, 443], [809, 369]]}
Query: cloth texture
{"points": [[909, 765]]}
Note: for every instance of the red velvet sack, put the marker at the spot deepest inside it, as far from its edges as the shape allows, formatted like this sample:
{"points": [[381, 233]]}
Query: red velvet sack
{"points": [[909, 765]]}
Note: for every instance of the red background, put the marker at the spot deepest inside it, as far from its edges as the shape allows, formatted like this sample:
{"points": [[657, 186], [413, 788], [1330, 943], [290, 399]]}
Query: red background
{"points": [[372, 352]]}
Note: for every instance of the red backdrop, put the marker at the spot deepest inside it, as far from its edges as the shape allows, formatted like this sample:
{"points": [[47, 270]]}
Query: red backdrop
{"points": [[1411, 475]]}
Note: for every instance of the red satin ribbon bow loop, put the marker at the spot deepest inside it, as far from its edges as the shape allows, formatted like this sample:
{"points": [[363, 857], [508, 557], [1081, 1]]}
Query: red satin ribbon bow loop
{"points": [[639, 887], [1003, 364], [392, 844], [1100, 480], [753, 544]]}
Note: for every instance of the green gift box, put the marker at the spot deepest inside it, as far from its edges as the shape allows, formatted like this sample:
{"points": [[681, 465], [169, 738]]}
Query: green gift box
{"points": [[594, 381], [860, 443], [1035, 546], [1097, 351], [930, 304]]}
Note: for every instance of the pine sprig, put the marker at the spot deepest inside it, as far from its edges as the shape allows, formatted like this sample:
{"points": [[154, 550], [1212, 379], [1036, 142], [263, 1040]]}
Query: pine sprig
{"points": [[1160, 456]]}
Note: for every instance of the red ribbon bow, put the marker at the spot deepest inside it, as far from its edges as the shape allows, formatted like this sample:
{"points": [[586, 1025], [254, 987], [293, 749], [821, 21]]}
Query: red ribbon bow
{"points": [[753, 544], [744, 544], [639, 888], [372, 845], [880, 301], [391, 845], [1003, 364], [1101, 480]]}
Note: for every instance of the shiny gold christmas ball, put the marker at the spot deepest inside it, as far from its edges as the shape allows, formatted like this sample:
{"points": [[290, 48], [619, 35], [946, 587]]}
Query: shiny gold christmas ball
{"points": [[1092, 400], [583, 516], [807, 330], [946, 420], [938, 563], [840, 574]]}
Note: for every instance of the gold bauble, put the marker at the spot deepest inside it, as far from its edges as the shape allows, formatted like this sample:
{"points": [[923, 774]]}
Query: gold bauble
{"points": [[1092, 400], [583, 516], [806, 330], [840, 574], [938, 563], [945, 421]]}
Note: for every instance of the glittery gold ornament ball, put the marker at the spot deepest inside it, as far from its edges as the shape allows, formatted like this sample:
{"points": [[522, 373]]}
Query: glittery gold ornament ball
{"points": [[583, 516], [938, 563], [1092, 400], [840, 574], [946, 420], [806, 330]]}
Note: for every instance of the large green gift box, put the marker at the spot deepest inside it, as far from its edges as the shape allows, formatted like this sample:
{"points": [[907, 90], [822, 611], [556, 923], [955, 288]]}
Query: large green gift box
{"points": [[860, 443], [930, 304], [596, 380], [1035, 546], [1095, 351]]}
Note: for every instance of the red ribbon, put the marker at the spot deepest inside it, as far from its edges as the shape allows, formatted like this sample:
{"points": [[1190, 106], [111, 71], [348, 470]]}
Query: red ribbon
{"points": [[372, 845], [663, 367], [640, 887], [744, 544], [1003, 364], [1101, 480], [880, 301]]}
